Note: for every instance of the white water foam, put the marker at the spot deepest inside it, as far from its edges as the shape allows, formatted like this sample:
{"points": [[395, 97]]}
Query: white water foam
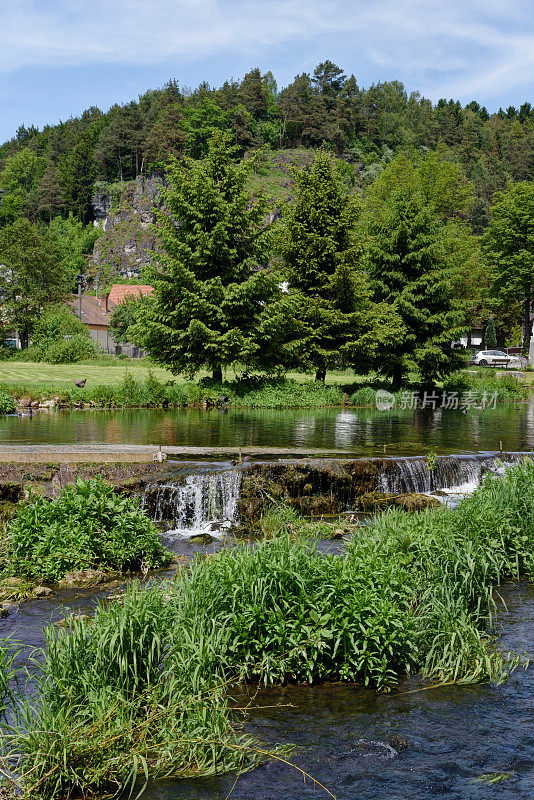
{"points": [[204, 502]]}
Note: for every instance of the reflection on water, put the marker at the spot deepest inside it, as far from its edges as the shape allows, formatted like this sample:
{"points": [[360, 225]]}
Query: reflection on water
{"points": [[359, 431]]}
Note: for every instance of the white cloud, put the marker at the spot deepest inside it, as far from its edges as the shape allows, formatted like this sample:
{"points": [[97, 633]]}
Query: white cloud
{"points": [[457, 48]]}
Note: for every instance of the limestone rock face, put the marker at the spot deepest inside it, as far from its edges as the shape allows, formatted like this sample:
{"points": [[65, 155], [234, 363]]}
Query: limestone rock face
{"points": [[128, 242]]}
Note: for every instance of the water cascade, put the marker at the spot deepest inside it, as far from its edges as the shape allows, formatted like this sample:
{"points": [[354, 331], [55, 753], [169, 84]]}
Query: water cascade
{"points": [[207, 498], [459, 474], [196, 502]]}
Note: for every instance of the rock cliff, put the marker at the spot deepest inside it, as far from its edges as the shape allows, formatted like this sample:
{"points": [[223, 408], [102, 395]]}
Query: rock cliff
{"points": [[128, 241]]}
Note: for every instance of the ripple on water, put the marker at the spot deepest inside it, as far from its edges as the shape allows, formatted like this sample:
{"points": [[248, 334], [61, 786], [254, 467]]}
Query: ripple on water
{"points": [[366, 746]]}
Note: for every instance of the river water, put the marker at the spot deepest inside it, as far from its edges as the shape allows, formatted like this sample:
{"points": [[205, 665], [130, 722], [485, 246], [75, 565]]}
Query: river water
{"points": [[412, 744], [358, 431]]}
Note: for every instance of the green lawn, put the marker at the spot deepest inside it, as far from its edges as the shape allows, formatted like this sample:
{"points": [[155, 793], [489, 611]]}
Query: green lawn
{"points": [[48, 376], [61, 375]]}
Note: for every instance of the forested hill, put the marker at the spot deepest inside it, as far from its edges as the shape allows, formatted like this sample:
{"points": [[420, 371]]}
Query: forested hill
{"points": [[54, 171]]}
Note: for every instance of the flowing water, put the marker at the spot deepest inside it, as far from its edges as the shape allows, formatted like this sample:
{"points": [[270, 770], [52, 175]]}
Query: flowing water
{"points": [[357, 431], [203, 501], [412, 744], [204, 498]]}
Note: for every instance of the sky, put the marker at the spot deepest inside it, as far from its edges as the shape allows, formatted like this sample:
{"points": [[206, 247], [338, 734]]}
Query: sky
{"points": [[58, 57]]}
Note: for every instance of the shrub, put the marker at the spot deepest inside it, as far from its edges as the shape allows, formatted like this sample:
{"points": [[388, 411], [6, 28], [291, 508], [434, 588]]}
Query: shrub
{"points": [[87, 526], [79, 347], [365, 396], [7, 403]]}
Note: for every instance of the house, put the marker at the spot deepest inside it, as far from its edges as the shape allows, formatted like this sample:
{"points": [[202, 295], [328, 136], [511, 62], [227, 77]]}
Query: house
{"points": [[96, 313]]}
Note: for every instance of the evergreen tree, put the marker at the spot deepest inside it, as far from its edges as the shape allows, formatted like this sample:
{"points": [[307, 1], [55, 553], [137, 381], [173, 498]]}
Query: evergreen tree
{"points": [[79, 179], [490, 337], [209, 282], [410, 264], [50, 192], [332, 321], [509, 244]]}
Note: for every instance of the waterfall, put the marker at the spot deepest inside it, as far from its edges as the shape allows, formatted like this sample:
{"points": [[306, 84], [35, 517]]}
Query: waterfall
{"points": [[460, 474], [199, 502]]}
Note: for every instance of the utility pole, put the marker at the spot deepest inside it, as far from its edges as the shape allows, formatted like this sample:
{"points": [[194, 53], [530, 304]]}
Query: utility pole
{"points": [[80, 283]]}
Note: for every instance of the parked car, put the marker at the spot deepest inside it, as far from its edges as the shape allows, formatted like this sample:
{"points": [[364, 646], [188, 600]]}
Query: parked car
{"points": [[495, 358]]}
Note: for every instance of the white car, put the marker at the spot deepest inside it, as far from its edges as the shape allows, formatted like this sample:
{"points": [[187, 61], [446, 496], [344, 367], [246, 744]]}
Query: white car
{"points": [[495, 358]]}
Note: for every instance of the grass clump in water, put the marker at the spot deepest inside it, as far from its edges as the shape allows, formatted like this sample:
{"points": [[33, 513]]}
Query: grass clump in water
{"points": [[124, 697], [88, 526], [142, 689]]}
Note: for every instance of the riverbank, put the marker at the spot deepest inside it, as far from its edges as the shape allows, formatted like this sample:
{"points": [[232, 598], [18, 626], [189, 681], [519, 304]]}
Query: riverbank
{"points": [[47, 386]]}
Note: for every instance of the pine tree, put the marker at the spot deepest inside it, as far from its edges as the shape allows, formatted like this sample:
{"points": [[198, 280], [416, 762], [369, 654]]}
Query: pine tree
{"points": [[50, 191], [209, 281], [409, 261], [79, 179], [332, 321]]}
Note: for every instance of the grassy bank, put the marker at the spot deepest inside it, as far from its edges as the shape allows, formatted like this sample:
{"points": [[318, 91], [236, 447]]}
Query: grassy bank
{"points": [[142, 689], [118, 387]]}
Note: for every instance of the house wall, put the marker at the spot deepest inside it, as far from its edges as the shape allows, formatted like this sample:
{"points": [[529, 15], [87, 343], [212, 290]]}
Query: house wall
{"points": [[101, 335]]}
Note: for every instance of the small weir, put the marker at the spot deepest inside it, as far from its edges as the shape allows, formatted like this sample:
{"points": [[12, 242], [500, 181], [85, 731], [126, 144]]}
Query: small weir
{"points": [[201, 501], [460, 473], [206, 498]]}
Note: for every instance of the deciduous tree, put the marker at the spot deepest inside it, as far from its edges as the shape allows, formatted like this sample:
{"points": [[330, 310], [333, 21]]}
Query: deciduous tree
{"points": [[509, 245], [32, 274]]}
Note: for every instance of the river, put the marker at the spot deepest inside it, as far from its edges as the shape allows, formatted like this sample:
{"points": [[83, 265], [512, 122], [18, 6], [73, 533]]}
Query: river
{"points": [[358, 431]]}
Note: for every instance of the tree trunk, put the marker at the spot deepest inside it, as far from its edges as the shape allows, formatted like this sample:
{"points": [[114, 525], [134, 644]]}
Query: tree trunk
{"points": [[397, 376], [527, 324], [217, 374], [320, 374]]}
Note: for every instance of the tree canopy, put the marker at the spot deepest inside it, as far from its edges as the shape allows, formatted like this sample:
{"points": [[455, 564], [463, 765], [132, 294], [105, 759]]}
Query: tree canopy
{"points": [[209, 277]]}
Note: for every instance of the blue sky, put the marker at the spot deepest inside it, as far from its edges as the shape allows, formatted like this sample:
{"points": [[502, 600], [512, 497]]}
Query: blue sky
{"points": [[58, 57]]}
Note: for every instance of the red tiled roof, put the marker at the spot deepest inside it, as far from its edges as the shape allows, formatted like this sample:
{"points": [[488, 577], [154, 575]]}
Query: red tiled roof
{"points": [[93, 309], [121, 290]]}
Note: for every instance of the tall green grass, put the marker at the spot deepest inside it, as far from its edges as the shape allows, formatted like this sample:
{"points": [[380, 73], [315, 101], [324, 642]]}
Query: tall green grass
{"points": [[150, 392], [117, 701], [504, 387], [142, 690]]}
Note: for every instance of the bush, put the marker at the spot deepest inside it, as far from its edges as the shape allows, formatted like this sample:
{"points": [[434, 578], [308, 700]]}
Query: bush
{"points": [[79, 347], [88, 526], [366, 396], [7, 403]]}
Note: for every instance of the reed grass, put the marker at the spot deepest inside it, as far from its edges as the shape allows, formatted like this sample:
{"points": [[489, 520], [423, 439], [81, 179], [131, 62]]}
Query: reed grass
{"points": [[142, 690]]}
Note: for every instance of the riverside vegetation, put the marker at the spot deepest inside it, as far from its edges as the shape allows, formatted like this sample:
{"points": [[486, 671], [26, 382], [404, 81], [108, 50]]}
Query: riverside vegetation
{"points": [[253, 392], [142, 690], [87, 526]]}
